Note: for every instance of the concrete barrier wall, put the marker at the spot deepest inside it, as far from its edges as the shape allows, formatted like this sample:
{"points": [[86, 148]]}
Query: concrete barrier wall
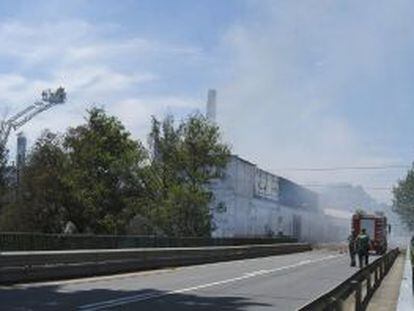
{"points": [[406, 296], [20, 267]]}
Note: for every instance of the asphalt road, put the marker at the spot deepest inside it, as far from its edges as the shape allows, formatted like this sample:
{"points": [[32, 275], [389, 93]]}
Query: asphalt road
{"points": [[283, 282]]}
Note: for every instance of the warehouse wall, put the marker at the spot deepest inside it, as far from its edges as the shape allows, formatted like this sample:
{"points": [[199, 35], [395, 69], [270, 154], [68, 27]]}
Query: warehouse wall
{"points": [[251, 202]]}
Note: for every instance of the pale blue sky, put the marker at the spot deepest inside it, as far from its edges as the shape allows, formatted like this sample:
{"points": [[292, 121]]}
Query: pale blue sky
{"points": [[300, 83]]}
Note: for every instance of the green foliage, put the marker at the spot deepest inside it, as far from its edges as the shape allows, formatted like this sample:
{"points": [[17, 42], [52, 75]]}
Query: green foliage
{"points": [[185, 159], [3, 175], [43, 188], [3, 169], [18, 217], [103, 162], [403, 201], [100, 179], [202, 154], [41, 197]]}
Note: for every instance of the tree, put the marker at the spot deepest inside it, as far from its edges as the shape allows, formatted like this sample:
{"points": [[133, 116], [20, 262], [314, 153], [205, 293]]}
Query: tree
{"points": [[43, 185], [184, 161], [3, 168], [104, 182], [39, 205], [403, 201], [3, 174], [104, 171], [202, 155], [90, 176]]}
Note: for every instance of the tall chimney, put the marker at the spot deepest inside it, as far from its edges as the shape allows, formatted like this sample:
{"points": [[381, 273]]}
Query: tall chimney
{"points": [[211, 105], [21, 149], [20, 155]]}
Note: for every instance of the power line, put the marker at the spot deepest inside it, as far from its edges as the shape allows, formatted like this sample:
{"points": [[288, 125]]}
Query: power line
{"points": [[344, 168], [344, 186]]}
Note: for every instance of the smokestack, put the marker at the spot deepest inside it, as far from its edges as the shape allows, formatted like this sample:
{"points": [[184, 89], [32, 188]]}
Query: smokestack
{"points": [[21, 154], [21, 149], [211, 105]]}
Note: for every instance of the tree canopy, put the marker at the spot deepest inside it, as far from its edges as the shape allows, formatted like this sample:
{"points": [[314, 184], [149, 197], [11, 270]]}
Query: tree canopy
{"points": [[101, 180], [403, 201], [102, 160], [3, 172], [184, 160]]}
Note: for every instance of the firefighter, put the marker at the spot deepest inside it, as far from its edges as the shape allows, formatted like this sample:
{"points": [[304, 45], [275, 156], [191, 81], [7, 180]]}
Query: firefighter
{"points": [[362, 248], [352, 247]]}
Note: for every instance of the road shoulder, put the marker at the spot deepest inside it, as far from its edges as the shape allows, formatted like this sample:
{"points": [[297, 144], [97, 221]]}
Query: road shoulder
{"points": [[385, 297]]}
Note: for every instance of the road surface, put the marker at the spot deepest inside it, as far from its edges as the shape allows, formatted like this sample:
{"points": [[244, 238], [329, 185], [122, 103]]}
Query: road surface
{"points": [[283, 282]]}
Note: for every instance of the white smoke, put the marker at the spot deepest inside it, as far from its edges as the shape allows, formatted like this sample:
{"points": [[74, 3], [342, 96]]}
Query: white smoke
{"points": [[302, 73]]}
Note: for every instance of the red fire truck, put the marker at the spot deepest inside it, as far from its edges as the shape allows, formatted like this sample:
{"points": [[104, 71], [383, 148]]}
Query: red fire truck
{"points": [[376, 228]]}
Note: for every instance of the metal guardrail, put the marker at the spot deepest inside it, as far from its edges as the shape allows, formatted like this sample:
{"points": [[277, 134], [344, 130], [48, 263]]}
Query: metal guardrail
{"points": [[357, 290], [10, 241]]}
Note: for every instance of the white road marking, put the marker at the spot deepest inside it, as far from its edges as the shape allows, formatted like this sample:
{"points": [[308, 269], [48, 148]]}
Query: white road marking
{"points": [[137, 298]]}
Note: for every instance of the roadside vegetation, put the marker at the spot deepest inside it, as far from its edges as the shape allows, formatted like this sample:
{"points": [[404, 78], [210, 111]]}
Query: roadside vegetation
{"points": [[100, 180], [403, 201]]}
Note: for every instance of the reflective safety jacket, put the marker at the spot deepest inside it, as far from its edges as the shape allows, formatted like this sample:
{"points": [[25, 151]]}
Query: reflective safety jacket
{"points": [[362, 243]]}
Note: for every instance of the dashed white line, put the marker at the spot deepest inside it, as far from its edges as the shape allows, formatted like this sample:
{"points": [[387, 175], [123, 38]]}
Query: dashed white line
{"points": [[137, 298]]}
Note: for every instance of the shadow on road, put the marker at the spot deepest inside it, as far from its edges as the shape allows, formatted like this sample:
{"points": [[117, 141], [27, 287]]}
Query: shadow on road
{"points": [[69, 298]]}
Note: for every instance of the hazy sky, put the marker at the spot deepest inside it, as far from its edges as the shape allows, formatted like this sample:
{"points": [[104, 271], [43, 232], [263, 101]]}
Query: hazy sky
{"points": [[300, 83]]}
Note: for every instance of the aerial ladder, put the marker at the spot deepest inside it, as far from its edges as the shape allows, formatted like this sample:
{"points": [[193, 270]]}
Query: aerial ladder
{"points": [[49, 99]]}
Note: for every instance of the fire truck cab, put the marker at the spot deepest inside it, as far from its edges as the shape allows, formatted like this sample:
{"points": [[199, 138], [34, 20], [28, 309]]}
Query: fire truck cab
{"points": [[376, 228]]}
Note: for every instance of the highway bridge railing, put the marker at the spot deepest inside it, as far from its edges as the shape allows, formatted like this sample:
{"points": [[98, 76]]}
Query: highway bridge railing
{"points": [[11, 241], [356, 292], [22, 267]]}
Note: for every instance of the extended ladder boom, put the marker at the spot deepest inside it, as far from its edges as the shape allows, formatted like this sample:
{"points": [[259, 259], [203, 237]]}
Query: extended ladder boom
{"points": [[49, 99]]}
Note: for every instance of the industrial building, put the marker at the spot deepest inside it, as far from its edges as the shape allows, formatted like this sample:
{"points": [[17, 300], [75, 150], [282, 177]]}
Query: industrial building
{"points": [[251, 202]]}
